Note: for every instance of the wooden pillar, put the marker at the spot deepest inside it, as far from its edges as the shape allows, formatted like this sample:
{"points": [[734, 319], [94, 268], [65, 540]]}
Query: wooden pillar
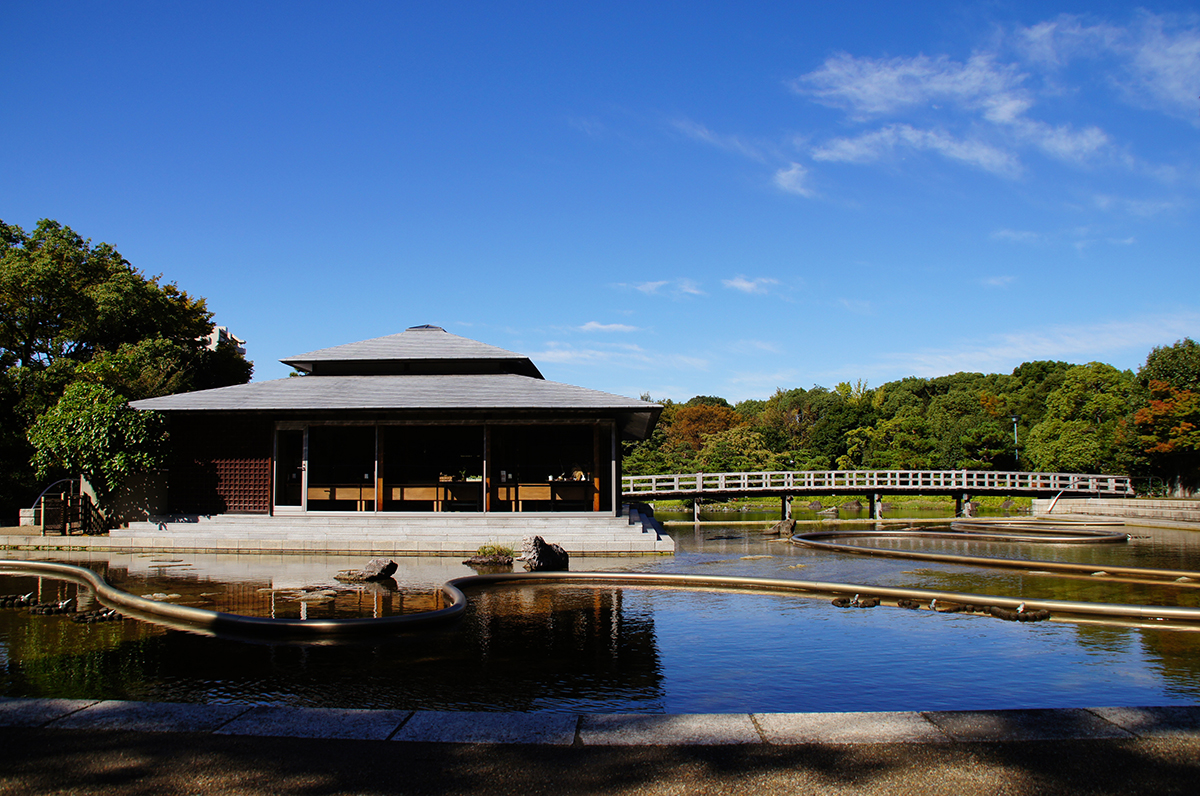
{"points": [[696, 511], [378, 468], [595, 466], [876, 506], [487, 467], [785, 509]]}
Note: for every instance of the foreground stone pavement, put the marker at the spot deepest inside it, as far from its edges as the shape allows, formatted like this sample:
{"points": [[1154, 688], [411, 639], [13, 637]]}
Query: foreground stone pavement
{"points": [[110, 747]]}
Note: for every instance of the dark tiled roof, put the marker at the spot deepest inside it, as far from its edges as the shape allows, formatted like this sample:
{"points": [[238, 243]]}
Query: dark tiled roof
{"points": [[417, 347], [496, 392]]}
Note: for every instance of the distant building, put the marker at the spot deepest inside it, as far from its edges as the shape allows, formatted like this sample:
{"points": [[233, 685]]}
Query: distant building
{"points": [[418, 422], [221, 334]]}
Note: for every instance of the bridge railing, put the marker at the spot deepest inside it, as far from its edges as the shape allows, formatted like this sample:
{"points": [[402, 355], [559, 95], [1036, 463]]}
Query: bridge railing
{"points": [[875, 480]]}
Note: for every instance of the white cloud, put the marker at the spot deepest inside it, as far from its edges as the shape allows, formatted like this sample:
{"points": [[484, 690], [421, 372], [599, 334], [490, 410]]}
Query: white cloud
{"points": [[793, 179], [857, 306], [675, 287], [868, 87], [1072, 343], [594, 326], [999, 281], [880, 143], [760, 285], [730, 143], [1016, 236], [650, 288], [1153, 61]]}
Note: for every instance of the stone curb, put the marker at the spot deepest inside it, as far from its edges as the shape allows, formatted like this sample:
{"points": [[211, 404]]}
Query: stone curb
{"points": [[608, 729]]}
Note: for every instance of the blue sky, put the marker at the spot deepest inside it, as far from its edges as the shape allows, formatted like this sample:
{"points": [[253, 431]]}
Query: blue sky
{"points": [[672, 198]]}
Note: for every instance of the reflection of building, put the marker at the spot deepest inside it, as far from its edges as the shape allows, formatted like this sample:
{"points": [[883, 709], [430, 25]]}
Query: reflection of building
{"points": [[413, 424]]}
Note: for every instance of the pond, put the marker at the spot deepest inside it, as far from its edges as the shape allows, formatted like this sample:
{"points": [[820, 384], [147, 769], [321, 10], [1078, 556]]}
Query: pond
{"points": [[572, 648]]}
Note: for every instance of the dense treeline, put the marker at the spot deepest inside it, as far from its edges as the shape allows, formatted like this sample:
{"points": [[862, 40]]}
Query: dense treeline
{"points": [[81, 333], [1088, 418]]}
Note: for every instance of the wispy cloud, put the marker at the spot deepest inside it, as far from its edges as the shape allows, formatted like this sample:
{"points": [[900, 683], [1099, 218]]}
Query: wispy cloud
{"points": [[1016, 236], [759, 285], [1155, 59], [627, 355], [650, 288], [857, 306], [987, 99], [595, 326], [794, 179], [869, 87], [730, 143], [673, 287], [983, 111], [878, 144], [999, 281], [1072, 343]]}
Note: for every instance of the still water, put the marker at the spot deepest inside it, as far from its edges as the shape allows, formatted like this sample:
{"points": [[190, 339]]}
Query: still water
{"points": [[577, 649]]}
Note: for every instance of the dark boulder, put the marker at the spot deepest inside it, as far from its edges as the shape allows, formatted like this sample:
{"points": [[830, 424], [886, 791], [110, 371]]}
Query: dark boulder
{"points": [[376, 569], [541, 556], [783, 528]]}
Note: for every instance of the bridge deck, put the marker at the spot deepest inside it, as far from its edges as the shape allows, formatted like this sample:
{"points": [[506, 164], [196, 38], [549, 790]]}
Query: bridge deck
{"points": [[833, 482]]}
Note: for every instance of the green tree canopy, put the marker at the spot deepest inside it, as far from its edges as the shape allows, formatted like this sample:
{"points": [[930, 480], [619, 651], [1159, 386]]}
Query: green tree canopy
{"points": [[93, 431], [1084, 428], [1177, 365], [76, 313]]}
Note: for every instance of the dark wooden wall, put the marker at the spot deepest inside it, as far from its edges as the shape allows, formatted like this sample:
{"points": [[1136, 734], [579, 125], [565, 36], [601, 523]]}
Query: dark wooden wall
{"points": [[220, 466]]}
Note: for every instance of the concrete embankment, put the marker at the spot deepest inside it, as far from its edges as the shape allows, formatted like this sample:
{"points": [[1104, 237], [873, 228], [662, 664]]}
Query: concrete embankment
{"points": [[1162, 512]]}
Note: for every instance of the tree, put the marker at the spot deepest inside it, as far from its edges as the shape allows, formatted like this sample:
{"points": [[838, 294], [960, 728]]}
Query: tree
{"points": [[73, 312], [1169, 431], [1084, 429], [736, 450], [61, 297], [691, 424], [1177, 365], [93, 431]]}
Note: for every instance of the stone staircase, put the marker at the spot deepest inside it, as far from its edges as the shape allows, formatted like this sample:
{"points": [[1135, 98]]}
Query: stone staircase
{"points": [[636, 532]]}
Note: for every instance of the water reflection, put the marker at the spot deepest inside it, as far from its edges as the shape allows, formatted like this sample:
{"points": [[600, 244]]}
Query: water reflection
{"points": [[570, 648]]}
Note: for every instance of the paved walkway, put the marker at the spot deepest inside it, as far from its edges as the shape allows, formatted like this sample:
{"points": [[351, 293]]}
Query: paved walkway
{"points": [[61, 745]]}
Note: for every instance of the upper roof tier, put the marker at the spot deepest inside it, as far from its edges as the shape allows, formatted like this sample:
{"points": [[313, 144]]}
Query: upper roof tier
{"points": [[419, 350]]}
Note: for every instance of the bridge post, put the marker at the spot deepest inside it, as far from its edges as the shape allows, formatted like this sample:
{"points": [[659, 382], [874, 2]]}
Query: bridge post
{"points": [[786, 508], [876, 508], [962, 505], [696, 511]]}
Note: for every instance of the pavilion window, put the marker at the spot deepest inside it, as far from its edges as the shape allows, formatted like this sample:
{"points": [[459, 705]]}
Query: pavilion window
{"points": [[341, 468], [542, 468], [431, 468]]}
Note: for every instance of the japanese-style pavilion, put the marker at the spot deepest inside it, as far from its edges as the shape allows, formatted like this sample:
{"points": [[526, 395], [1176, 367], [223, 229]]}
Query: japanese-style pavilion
{"points": [[417, 423]]}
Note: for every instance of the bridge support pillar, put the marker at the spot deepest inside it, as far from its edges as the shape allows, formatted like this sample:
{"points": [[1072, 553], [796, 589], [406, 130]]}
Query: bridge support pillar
{"points": [[962, 505], [876, 512], [696, 511], [785, 510]]}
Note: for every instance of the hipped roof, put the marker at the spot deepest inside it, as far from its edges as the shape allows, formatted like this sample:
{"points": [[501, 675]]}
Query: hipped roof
{"points": [[388, 386], [419, 349]]}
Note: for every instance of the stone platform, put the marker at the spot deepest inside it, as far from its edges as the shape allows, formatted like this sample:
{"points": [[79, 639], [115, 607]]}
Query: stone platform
{"points": [[636, 532]]}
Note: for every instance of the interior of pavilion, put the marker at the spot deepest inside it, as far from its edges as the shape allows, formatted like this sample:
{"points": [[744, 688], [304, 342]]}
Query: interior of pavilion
{"points": [[434, 468]]}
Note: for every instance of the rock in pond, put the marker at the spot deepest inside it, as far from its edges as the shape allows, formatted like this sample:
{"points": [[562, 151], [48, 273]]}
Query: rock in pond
{"points": [[541, 556], [376, 569]]}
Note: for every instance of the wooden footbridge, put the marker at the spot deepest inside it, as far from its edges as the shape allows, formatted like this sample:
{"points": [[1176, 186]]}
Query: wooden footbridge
{"points": [[962, 484]]}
